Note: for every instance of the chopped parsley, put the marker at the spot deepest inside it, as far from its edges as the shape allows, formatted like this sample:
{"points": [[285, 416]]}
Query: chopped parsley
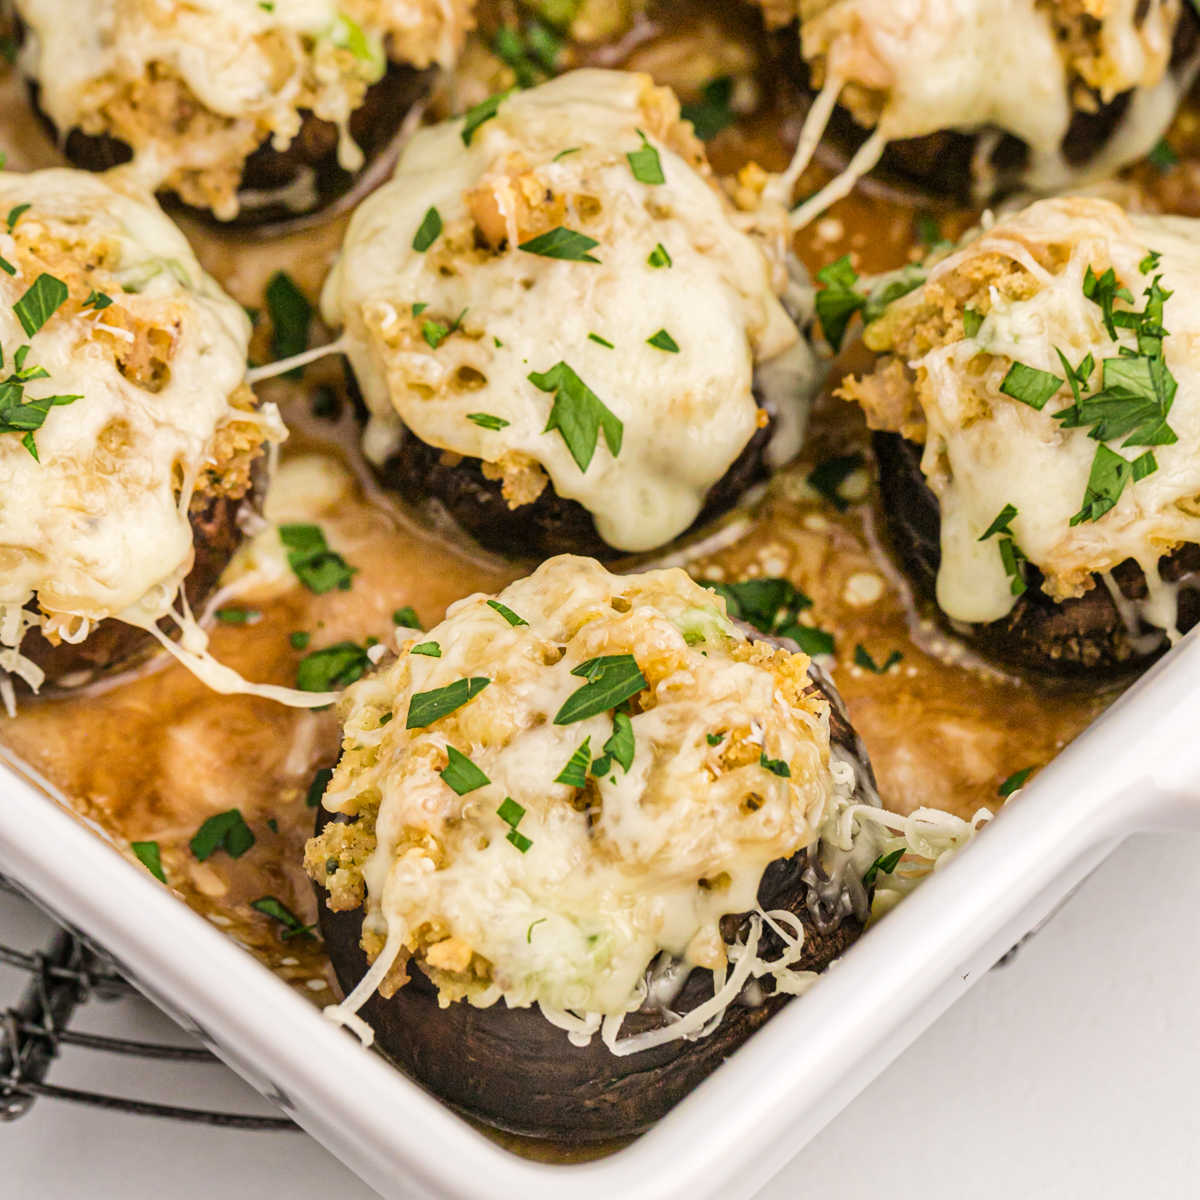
{"points": [[1108, 478], [18, 415], [1015, 780], [316, 789], [620, 747], [563, 243], [235, 615], [150, 856], [487, 421], [97, 301], [645, 163], [1011, 554], [15, 214], [578, 414], [768, 604], [226, 831], [435, 333], [775, 765], [532, 926], [826, 477], [274, 908], [426, 707], [885, 864], [972, 321], [662, 340], [595, 337], [507, 613], [333, 667], [6, 266], [291, 314], [1162, 156], [428, 649], [407, 617], [1001, 523], [461, 774], [862, 658], [575, 773], [810, 639], [532, 54], [611, 680], [838, 300], [480, 113], [714, 739], [712, 112], [510, 812], [40, 302], [299, 639], [427, 233], [928, 229], [314, 564], [1030, 385]]}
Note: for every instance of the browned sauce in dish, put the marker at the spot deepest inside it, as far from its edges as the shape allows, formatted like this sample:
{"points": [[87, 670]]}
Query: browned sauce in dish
{"points": [[151, 757]]}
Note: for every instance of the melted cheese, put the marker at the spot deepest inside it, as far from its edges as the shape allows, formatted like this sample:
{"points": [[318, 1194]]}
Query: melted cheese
{"points": [[984, 450], [108, 67], [556, 155], [642, 861], [99, 527], [910, 68]]}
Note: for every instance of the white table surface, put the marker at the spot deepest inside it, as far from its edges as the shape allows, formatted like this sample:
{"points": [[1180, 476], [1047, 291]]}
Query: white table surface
{"points": [[1070, 1073]]}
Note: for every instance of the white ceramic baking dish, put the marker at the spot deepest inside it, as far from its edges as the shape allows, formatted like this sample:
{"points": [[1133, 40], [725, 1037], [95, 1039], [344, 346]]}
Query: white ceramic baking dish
{"points": [[1136, 768]]}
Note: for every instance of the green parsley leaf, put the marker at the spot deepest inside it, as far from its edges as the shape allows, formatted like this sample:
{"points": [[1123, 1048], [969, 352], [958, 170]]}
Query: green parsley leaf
{"points": [[1104, 291], [620, 746], [885, 864], [461, 774], [972, 321], [890, 288], [316, 789], [427, 233], [291, 314], [611, 680], [314, 564], [407, 617], [928, 230], [1162, 156], [775, 765], [1013, 560], [838, 300], [645, 163], [767, 604], [578, 414], [426, 707], [809, 638], [1029, 385], [510, 812], [150, 856], [595, 337], [333, 667], [1150, 262], [435, 333], [6, 266], [575, 773], [480, 113], [532, 926], [97, 301], [40, 302], [714, 739], [1001, 523], [1108, 478], [863, 659], [1015, 780], [659, 257], [428, 649], [713, 112], [826, 477], [226, 831], [662, 340], [15, 214], [563, 243], [564, 153], [271, 907], [238, 616], [507, 613], [519, 840], [299, 640], [487, 421]]}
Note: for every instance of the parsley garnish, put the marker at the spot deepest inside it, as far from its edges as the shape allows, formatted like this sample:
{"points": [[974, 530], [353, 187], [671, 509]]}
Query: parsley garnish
{"points": [[768, 604], [480, 113], [42, 300], [659, 257], [531, 57], [426, 707], [96, 301], [427, 233], [713, 112], [1011, 554], [563, 243], [226, 831], [1029, 385], [972, 321], [620, 747], [578, 414], [885, 864], [428, 649], [18, 415], [1001, 523], [507, 613], [15, 214], [510, 812], [333, 667], [645, 163], [1015, 780], [714, 739], [838, 301], [320, 569], [595, 337], [1162, 156], [291, 314], [299, 640], [532, 926], [662, 340], [611, 680], [863, 659], [435, 333], [461, 774], [316, 789], [775, 765], [238, 616], [829, 475], [1109, 476], [487, 421], [575, 773], [150, 856], [407, 617], [271, 907], [6, 266]]}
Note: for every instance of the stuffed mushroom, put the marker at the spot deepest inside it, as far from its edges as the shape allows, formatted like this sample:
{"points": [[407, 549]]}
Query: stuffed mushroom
{"points": [[1039, 93], [571, 855], [563, 329], [129, 439], [243, 109], [1038, 402]]}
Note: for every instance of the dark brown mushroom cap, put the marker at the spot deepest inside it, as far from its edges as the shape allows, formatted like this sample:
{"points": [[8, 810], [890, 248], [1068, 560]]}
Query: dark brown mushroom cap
{"points": [[217, 531], [1085, 636], [509, 1067]]}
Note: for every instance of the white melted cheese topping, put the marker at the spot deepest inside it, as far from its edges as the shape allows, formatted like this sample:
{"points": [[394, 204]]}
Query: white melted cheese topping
{"points": [[920, 66], [644, 860], [99, 527], [556, 155], [985, 450]]}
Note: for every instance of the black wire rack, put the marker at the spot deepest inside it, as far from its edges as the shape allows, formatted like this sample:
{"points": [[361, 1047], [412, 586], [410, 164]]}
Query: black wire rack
{"points": [[65, 975]]}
